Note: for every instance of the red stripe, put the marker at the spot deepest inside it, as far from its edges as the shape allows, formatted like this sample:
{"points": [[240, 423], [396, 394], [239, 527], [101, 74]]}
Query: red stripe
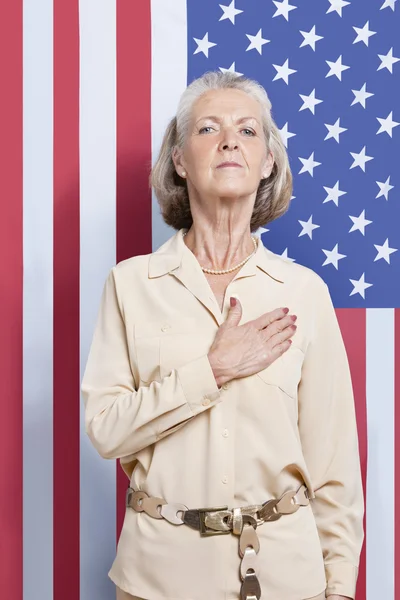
{"points": [[397, 451], [353, 326], [11, 300], [133, 148], [66, 300]]}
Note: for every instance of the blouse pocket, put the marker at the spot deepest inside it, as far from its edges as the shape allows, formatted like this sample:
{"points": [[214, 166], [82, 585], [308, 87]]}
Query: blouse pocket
{"points": [[162, 346], [285, 371]]}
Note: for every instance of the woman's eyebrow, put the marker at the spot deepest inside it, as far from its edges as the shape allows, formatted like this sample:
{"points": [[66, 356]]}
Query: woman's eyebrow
{"points": [[218, 119]]}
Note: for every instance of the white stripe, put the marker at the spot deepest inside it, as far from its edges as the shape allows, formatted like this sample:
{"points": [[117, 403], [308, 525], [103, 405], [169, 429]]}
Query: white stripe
{"points": [[97, 28], [169, 79], [380, 478], [38, 299]]}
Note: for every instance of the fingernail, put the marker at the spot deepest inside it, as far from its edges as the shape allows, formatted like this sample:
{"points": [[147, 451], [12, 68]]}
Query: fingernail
{"points": [[232, 301], [290, 341], [293, 317], [286, 310]]}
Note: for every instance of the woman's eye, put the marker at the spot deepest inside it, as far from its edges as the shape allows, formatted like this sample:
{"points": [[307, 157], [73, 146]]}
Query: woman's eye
{"points": [[202, 130], [249, 132]]}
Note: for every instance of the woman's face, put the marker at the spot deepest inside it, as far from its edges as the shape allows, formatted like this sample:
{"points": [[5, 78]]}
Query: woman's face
{"points": [[225, 153]]}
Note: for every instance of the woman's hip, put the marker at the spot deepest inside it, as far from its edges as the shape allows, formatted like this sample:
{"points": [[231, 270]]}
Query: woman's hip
{"points": [[121, 595]]}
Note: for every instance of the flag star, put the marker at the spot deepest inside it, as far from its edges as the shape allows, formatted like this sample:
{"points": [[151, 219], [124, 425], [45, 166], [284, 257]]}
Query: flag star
{"points": [[283, 8], [360, 286], [231, 70], [333, 257], [359, 223], [310, 38], [286, 257], [334, 130], [360, 159], [203, 45], [384, 188], [256, 42], [310, 102], [283, 71], [388, 4], [336, 68], [285, 134], [308, 227], [308, 164], [260, 231], [363, 34], [387, 61], [337, 5], [230, 12], [384, 251], [361, 95], [333, 194], [387, 124]]}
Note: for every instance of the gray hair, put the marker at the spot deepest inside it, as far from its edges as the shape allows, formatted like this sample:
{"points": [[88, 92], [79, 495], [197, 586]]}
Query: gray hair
{"points": [[273, 194]]}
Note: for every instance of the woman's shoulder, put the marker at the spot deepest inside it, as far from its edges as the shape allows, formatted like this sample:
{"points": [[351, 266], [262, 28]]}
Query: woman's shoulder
{"points": [[291, 272]]}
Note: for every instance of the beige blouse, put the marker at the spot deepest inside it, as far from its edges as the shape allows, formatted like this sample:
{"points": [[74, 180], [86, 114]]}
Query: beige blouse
{"points": [[151, 400]]}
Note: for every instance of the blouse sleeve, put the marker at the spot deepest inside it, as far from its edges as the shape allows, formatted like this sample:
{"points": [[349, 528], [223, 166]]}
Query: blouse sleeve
{"points": [[122, 418], [328, 431]]}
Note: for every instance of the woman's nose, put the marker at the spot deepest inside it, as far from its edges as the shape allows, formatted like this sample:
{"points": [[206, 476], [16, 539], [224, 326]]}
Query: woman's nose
{"points": [[228, 142]]}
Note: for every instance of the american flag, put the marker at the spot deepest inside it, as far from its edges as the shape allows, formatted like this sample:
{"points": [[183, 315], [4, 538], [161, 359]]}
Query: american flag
{"points": [[88, 88]]}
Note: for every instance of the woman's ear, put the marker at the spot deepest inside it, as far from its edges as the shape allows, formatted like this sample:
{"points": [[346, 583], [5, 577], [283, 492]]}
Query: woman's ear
{"points": [[178, 161], [268, 165]]}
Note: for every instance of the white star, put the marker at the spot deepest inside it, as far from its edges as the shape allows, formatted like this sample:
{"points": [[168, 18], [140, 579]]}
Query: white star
{"points": [[360, 286], [310, 102], [230, 12], [388, 4], [259, 232], [384, 251], [333, 257], [337, 5], [283, 8], [285, 134], [363, 34], [308, 164], [286, 257], [360, 159], [387, 124], [334, 130], [387, 61], [336, 68], [333, 194], [256, 42], [361, 96], [308, 227], [359, 223], [384, 188], [283, 72], [310, 38], [203, 45], [230, 70]]}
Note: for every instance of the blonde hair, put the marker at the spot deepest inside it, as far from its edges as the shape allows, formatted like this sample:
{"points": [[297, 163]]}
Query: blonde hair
{"points": [[273, 194]]}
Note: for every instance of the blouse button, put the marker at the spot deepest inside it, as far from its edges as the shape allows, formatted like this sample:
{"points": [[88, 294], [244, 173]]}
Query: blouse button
{"points": [[225, 433], [206, 401], [165, 327], [224, 479], [225, 386]]}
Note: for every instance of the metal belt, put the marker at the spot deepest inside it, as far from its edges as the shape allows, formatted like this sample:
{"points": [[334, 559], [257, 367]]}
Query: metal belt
{"points": [[220, 520]]}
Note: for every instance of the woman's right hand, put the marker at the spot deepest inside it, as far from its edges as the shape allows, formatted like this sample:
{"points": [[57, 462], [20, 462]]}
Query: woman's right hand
{"points": [[242, 350]]}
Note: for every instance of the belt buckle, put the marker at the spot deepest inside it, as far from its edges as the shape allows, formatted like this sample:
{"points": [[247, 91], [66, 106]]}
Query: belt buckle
{"points": [[204, 529]]}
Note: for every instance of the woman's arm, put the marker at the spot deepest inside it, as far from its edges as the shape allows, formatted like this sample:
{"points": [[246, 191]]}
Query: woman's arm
{"points": [[120, 418], [328, 431]]}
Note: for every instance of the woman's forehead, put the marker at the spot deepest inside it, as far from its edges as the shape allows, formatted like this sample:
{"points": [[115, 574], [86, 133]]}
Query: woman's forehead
{"points": [[227, 102]]}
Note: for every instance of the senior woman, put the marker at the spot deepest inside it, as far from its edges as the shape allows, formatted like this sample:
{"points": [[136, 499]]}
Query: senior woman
{"points": [[218, 376]]}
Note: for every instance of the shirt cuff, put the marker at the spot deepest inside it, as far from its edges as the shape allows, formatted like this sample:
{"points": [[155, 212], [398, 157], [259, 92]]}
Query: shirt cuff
{"points": [[341, 579], [199, 384]]}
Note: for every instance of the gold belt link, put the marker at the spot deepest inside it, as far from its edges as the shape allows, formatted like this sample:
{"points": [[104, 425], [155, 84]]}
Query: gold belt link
{"points": [[241, 521]]}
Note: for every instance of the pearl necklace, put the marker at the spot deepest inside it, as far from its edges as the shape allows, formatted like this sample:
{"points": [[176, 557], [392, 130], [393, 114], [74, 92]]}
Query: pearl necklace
{"points": [[225, 271]]}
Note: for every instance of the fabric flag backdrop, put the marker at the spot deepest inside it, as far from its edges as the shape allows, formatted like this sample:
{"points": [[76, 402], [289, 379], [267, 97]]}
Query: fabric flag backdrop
{"points": [[88, 88]]}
